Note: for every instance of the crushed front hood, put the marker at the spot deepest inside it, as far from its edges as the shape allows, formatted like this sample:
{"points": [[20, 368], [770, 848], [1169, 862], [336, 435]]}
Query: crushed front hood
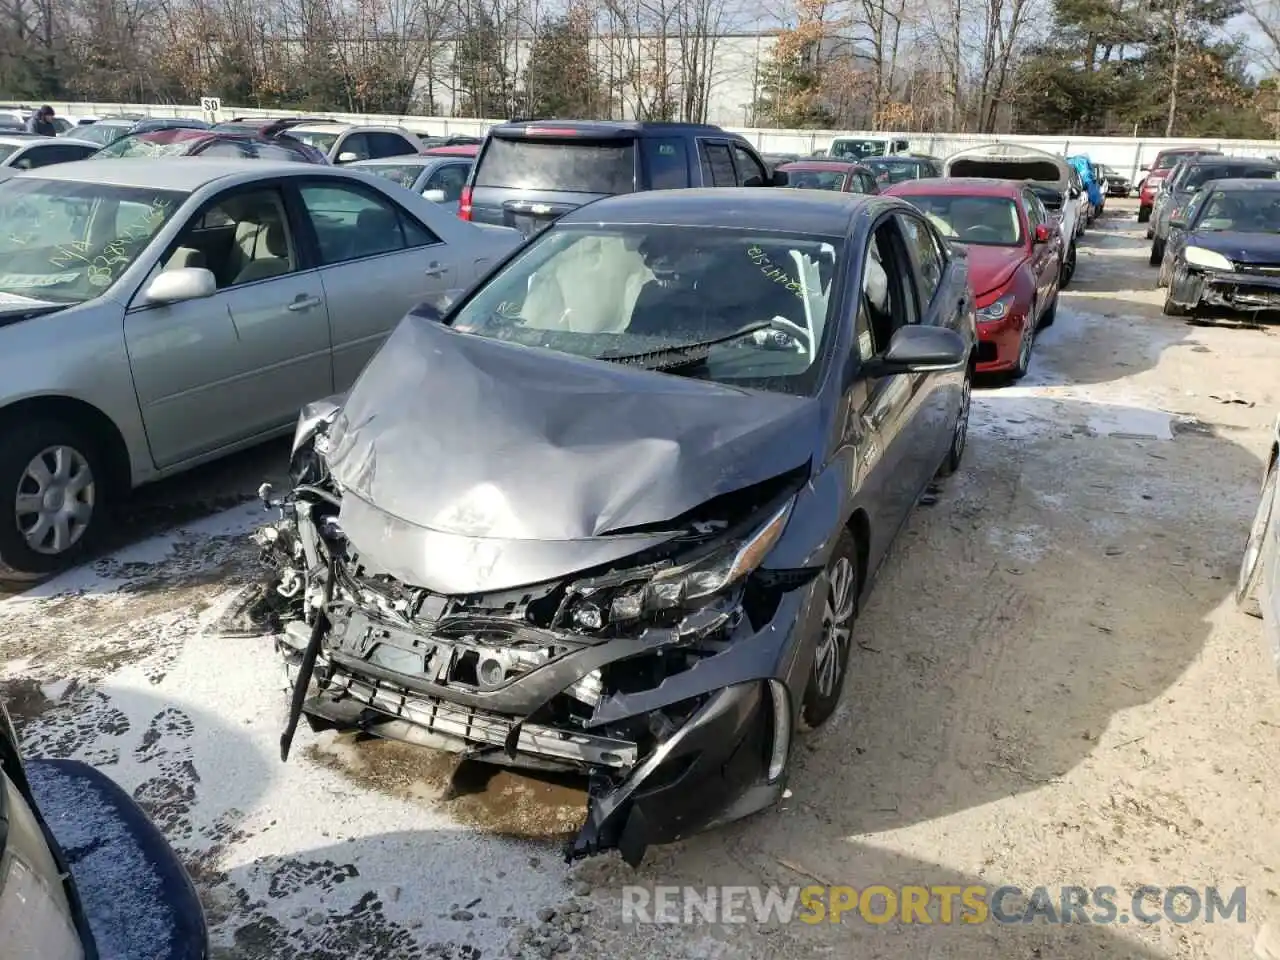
{"points": [[479, 465]]}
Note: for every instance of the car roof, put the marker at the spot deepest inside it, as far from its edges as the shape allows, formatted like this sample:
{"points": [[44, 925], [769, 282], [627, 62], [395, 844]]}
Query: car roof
{"points": [[832, 166], [958, 187], [815, 212], [601, 127], [187, 174]]}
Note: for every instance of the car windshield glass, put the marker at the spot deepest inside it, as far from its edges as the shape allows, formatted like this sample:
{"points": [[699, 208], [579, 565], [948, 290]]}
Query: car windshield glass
{"points": [[103, 133], [313, 138], [578, 166], [66, 242], [895, 171], [140, 145], [1239, 211], [816, 179], [857, 149], [7, 150], [990, 221], [680, 287], [402, 173]]}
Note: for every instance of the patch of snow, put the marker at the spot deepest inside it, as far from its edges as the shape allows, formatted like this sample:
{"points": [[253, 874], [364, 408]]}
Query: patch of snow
{"points": [[1029, 543]]}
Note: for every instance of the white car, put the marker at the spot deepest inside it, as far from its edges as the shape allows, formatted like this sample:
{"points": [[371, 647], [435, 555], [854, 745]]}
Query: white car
{"points": [[347, 143], [159, 313], [1258, 582], [29, 151]]}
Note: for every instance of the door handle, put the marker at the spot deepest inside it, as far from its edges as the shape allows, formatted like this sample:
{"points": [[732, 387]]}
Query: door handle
{"points": [[435, 269], [303, 302]]}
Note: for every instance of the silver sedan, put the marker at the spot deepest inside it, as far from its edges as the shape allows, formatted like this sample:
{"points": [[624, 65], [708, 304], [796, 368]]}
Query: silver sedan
{"points": [[439, 179], [157, 314]]}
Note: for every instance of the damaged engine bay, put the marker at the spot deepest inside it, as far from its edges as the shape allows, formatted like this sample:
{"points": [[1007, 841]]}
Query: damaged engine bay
{"points": [[656, 676]]}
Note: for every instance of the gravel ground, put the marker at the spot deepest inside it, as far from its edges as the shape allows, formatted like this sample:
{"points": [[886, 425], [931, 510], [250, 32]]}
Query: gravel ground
{"points": [[1051, 687]]}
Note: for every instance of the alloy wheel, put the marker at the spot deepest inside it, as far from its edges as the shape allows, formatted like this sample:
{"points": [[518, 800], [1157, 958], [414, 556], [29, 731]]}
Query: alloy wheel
{"points": [[837, 627], [55, 500], [962, 421]]}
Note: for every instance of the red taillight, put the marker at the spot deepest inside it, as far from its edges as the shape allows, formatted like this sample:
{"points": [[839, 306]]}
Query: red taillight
{"points": [[464, 203]]}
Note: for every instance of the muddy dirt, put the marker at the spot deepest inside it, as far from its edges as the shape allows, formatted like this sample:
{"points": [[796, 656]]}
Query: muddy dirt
{"points": [[1051, 687]]}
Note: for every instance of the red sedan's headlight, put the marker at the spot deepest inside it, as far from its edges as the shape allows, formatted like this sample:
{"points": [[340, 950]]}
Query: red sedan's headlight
{"points": [[997, 309]]}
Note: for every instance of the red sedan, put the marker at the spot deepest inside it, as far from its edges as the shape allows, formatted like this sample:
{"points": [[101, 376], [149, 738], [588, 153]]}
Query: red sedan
{"points": [[838, 175], [1015, 260]]}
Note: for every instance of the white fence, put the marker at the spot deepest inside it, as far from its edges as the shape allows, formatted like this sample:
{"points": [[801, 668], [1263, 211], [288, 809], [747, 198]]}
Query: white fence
{"points": [[1125, 154]]}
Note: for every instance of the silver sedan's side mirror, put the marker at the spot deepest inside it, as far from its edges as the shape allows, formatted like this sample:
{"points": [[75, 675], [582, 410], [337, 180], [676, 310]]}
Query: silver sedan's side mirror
{"points": [[183, 283], [435, 196]]}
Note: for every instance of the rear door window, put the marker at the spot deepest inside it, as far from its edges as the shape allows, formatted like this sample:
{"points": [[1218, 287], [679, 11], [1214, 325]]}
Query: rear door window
{"points": [[667, 161], [717, 165], [575, 166]]}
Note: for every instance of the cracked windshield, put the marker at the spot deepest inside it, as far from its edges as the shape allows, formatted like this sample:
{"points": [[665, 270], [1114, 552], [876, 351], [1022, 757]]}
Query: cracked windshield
{"points": [[66, 242], [728, 305]]}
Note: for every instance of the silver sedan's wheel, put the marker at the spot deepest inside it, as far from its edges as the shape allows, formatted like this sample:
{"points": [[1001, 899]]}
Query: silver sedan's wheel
{"points": [[1251, 566], [55, 500]]}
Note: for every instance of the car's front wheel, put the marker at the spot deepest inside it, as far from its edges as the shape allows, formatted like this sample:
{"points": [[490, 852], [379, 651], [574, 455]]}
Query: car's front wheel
{"points": [[960, 436], [1068, 266], [835, 640], [1251, 564], [1157, 252], [1144, 214], [52, 481]]}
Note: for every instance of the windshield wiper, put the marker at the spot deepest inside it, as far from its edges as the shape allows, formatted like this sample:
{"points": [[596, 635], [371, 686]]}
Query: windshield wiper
{"points": [[685, 354]]}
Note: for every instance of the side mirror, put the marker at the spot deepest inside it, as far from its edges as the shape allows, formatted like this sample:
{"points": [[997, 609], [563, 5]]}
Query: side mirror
{"points": [[753, 182], [1074, 193], [917, 349], [183, 283], [347, 157], [780, 179], [1178, 222], [435, 196], [1043, 233]]}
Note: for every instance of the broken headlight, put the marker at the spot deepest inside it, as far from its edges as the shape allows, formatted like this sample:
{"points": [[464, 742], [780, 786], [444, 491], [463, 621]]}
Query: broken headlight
{"points": [[680, 587]]}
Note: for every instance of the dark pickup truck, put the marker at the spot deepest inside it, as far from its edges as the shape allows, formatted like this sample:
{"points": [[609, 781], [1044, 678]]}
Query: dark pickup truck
{"points": [[530, 173]]}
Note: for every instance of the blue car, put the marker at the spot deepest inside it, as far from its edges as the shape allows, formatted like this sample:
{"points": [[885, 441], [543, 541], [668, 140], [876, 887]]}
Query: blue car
{"points": [[1097, 198]]}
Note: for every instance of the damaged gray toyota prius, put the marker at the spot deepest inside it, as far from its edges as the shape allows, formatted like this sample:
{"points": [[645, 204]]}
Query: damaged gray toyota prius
{"points": [[614, 510]]}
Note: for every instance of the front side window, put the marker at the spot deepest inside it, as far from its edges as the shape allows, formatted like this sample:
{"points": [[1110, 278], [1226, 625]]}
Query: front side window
{"points": [[389, 145], [750, 173], [1237, 211], [242, 238], [989, 221], [405, 174], [734, 305], [924, 248], [450, 179], [65, 241], [352, 223]]}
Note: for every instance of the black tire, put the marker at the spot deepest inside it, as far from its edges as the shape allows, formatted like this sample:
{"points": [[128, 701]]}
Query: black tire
{"points": [[959, 439], [1068, 267], [1050, 314], [822, 695], [1172, 309], [1251, 563], [20, 445], [1157, 253], [1024, 360], [1144, 214]]}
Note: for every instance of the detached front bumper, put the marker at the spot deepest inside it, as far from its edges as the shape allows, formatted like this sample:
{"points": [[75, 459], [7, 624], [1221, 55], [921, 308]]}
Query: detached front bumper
{"points": [[1235, 290]]}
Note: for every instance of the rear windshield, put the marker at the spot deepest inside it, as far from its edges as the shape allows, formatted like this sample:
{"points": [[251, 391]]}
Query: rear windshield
{"points": [[1006, 169], [857, 149], [1199, 175], [577, 166]]}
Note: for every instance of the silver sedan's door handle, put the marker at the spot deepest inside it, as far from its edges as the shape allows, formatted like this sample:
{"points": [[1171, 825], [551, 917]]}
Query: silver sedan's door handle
{"points": [[303, 302], [435, 269]]}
